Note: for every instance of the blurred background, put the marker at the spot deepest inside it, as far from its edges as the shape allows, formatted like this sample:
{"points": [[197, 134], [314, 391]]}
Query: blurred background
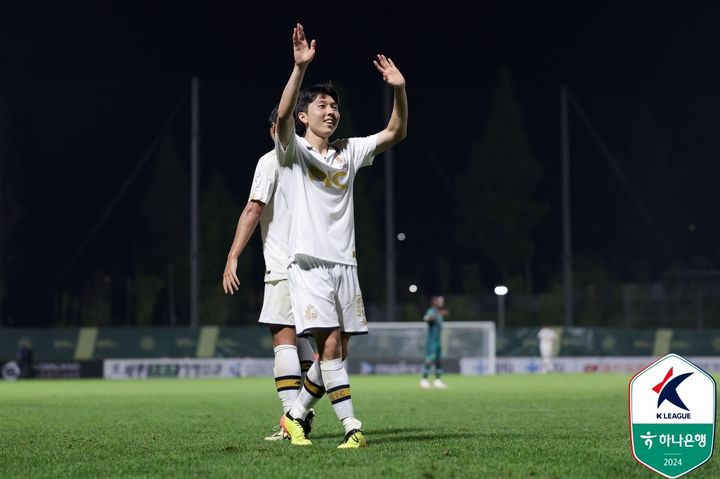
{"points": [[569, 152]]}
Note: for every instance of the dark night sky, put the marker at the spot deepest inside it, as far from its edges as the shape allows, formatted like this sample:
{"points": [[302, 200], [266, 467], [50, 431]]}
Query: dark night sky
{"points": [[89, 88]]}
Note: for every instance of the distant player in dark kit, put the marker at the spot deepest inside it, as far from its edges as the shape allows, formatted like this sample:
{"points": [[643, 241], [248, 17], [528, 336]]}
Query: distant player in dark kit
{"points": [[434, 316]]}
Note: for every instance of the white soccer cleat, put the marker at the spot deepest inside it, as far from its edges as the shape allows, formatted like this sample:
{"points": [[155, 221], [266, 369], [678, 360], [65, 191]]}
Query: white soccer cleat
{"points": [[425, 384], [277, 435], [439, 384]]}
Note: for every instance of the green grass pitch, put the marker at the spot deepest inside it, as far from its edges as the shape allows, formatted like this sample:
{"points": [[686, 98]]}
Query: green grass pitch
{"points": [[505, 426]]}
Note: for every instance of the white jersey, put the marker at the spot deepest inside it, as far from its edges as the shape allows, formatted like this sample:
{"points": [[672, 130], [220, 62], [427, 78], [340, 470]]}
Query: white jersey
{"points": [[547, 337], [274, 221], [319, 193]]}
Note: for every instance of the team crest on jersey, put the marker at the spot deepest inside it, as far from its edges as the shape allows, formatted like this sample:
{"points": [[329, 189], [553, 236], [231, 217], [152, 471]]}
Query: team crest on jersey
{"points": [[310, 312], [255, 191], [340, 160]]}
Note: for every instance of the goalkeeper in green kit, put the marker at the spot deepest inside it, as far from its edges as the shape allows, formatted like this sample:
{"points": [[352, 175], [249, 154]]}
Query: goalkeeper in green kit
{"points": [[434, 316]]}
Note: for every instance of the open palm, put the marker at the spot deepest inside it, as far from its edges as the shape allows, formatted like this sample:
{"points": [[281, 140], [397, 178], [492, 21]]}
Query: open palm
{"points": [[390, 73], [303, 52]]}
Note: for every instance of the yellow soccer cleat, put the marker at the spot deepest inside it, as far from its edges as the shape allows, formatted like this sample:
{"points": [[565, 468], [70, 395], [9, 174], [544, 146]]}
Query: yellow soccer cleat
{"points": [[353, 440], [295, 429]]}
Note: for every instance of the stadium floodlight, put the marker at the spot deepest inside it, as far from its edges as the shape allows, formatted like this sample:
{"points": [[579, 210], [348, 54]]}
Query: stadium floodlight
{"points": [[413, 288], [500, 292], [401, 236]]}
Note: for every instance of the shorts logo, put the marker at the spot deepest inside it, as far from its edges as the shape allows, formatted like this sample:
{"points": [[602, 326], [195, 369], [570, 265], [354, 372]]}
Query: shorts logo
{"points": [[360, 309], [310, 312]]}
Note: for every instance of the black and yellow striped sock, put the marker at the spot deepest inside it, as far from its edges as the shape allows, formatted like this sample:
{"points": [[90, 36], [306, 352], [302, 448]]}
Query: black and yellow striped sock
{"points": [[287, 374], [313, 389], [337, 384]]}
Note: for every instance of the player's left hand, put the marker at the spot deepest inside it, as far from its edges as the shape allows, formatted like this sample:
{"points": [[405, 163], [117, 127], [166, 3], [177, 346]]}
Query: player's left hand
{"points": [[391, 75]]}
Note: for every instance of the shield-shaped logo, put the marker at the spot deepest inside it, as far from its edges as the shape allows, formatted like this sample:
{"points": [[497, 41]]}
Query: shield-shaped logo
{"points": [[672, 416]]}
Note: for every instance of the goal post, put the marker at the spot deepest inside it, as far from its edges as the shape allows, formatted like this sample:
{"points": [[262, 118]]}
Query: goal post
{"points": [[468, 342]]}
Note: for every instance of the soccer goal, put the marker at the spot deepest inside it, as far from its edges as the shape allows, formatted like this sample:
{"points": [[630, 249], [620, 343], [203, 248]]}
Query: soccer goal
{"points": [[465, 341]]}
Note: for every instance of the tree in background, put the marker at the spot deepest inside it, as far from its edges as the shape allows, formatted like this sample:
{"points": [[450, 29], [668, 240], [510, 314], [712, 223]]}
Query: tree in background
{"points": [[497, 187], [641, 251], [165, 213], [219, 213]]}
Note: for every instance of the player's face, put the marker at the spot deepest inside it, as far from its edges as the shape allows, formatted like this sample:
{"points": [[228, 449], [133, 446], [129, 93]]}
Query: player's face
{"points": [[322, 117]]}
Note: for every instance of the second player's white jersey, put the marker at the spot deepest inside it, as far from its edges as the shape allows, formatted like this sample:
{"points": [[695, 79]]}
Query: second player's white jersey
{"points": [[319, 193], [547, 336], [274, 222]]}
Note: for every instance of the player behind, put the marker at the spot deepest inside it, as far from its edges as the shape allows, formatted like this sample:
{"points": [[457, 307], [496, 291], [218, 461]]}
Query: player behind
{"points": [[434, 316], [547, 340], [317, 177], [293, 356]]}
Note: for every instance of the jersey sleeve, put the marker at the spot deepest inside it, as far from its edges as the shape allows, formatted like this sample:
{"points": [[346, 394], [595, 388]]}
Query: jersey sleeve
{"points": [[265, 179], [287, 155], [362, 150]]}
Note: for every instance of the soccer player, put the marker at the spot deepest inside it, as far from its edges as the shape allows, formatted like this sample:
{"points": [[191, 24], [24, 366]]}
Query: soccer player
{"points": [[547, 339], [293, 355], [317, 178], [434, 317]]}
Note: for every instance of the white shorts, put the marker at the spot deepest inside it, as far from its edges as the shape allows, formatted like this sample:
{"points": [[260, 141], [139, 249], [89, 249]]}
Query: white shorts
{"points": [[276, 307], [546, 350], [326, 295]]}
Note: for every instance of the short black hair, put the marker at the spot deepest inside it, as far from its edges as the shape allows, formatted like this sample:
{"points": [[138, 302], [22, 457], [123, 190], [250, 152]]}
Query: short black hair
{"points": [[273, 115], [308, 95]]}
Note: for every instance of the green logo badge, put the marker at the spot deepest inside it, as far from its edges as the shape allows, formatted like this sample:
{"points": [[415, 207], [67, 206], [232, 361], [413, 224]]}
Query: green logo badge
{"points": [[672, 416]]}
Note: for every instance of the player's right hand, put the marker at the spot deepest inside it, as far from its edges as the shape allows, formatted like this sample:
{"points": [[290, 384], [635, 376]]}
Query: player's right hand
{"points": [[230, 282], [302, 52]]}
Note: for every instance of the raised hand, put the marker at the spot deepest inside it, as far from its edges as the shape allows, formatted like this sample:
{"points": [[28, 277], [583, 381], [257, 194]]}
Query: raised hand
{"points": [[303, 52], [391, 75]]}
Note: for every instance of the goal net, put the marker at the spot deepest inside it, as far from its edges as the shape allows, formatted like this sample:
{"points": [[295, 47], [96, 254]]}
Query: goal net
{"points": [[468, 342]]}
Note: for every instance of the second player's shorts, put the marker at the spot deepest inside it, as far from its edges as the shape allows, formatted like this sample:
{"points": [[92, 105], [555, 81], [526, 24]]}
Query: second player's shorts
{"points": [[326, 295], [433, 351], [276, 307], [546, 350]]}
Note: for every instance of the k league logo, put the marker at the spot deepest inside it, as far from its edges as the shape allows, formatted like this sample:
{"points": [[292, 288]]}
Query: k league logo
{"points": [[669, 391], [672, 416]]}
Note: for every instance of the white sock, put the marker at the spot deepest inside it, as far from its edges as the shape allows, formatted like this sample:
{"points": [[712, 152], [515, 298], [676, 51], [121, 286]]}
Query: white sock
{"points": [[337, 385], [350, 423], [287, 374], [313, 389]]}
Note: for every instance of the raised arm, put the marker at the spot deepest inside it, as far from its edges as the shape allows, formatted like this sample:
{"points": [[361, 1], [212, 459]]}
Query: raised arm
{"points": [[246, 225], [303, 54], [396, 129]]}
